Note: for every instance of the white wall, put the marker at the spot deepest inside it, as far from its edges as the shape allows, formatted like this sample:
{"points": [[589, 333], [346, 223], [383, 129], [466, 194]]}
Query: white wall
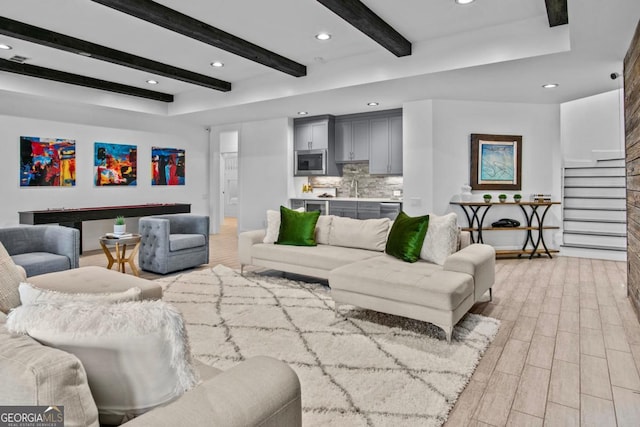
{"points": [[85, 193], [417, 157], [229, 141], [436, 153], [592, 127], [264, 169], [454, 121]]}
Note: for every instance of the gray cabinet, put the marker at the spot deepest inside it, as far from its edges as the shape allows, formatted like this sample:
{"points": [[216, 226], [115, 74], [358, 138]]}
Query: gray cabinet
{"points": [[395, 145], [297, 203], [312, 135], [360, 144], [386, 146], [352, 141], [353, 208], [368, 210], [344, 140], [343, 208]]}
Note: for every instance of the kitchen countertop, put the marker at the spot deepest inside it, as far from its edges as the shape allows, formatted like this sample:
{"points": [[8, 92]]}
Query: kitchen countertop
{"points": [[350, 199]]}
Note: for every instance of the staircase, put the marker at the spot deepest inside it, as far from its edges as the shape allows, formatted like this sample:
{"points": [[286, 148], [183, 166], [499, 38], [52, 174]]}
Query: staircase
{"points": [[594, 207]]}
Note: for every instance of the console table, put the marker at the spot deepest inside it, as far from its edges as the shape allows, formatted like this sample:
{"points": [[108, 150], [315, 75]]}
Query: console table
{"points": [[74, 217], [477, 211]]}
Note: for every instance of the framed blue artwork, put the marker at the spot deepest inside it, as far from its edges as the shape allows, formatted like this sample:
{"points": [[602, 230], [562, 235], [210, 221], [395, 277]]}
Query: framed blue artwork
{"points": [[496, 162]]}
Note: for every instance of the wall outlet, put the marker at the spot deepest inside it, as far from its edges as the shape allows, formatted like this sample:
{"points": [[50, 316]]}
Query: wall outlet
{"points": [[416, 202]]}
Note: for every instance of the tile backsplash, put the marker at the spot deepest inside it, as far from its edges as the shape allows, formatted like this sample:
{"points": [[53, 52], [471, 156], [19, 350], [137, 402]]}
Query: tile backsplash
{"points": [[368, 185]]}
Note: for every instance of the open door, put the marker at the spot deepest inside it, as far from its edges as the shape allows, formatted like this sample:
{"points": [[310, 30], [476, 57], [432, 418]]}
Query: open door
{"points": [[230, 184]]}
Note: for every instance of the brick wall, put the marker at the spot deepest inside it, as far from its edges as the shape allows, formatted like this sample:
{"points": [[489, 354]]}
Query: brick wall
{"points": [[368, 185], [632, 126]]}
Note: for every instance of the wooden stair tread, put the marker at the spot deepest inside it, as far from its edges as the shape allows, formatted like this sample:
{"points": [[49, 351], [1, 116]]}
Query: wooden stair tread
{"points": [[595, 233]]}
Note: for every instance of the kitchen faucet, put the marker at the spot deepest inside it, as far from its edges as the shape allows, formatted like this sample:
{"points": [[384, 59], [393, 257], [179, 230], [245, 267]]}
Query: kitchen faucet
{"points": [[354, 183]]}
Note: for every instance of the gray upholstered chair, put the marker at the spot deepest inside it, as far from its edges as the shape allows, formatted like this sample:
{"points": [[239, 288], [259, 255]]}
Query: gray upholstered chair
{"points": [[42, 249], [173, 242]]}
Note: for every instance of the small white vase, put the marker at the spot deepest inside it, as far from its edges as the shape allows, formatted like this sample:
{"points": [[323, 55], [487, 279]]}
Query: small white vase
{"points": [[119, 229], [465, 193]]}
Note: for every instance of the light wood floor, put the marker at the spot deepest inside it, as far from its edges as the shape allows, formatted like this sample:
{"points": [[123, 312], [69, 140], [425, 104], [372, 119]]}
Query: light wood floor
{"points": [[223, 249], [568, 349]]}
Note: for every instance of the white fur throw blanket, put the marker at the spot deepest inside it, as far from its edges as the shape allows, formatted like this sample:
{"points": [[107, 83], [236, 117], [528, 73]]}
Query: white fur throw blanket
{"points": [[129, 319]]}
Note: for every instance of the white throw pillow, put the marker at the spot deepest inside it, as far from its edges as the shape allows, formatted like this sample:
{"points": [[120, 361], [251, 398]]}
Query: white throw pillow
{"points": [[136, 354], [323, 229], [10, 278], [441, 239], [370, 234], [273, 225], [30, 294]]}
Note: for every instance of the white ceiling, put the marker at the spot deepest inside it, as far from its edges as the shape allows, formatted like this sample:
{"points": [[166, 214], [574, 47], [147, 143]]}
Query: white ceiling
{"points": [[495, 50]]}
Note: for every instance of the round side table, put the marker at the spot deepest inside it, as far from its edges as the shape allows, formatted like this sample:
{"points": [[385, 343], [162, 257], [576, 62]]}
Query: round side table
{"points": [[121, 257]]}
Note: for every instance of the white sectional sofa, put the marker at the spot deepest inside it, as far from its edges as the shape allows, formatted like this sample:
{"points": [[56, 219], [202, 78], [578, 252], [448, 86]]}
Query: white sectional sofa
{"points": [[350, 254]]}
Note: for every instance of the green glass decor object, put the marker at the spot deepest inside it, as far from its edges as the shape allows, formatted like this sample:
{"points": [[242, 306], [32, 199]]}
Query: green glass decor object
{"points": [[297, 228], [407, 236]]}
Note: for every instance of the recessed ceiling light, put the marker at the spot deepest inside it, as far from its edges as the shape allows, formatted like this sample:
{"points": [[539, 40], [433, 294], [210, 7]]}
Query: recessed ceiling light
{"points": [[550, 85], [373, 104], [302, 113], [152, 82], [5, 47], [217, 64], [323, 36], [464, 1]]}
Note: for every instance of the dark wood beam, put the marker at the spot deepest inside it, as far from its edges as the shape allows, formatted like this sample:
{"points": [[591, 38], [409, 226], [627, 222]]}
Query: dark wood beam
{"points": [[55, 40], [557, 12], [365, 20], [170, 19], [75, 79]]}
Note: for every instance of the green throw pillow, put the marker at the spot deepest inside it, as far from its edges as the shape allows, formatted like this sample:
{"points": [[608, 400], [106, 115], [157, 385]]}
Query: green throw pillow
{"points": [[297, 228], [407, 236]]}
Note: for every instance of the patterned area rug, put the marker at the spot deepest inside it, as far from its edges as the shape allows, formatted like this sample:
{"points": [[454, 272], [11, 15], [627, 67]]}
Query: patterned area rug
{"points": [[368, 369]]}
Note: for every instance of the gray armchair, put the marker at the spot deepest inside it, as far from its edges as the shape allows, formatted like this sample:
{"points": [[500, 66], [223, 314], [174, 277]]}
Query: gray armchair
{"points": [[42, 249], [173, 242]]}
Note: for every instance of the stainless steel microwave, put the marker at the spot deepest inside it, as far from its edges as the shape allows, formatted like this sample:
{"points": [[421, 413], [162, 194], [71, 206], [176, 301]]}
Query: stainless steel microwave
{"points": [[310, 162]]}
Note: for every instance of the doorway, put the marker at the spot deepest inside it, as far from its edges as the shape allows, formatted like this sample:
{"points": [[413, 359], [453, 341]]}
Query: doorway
{"points": [[229, 197]]}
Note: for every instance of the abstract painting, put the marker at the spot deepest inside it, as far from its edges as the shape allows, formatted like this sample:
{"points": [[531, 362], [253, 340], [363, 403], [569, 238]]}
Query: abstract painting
{"points": [[47, 162], [115, 164], [496, 162], [167, 166]]}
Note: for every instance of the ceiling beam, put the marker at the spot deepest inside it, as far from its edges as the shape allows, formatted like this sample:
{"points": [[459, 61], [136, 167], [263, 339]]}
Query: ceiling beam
{"points": [[557, 12], [365, 20], [75, 79], [32, 34], [170, 19]]}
